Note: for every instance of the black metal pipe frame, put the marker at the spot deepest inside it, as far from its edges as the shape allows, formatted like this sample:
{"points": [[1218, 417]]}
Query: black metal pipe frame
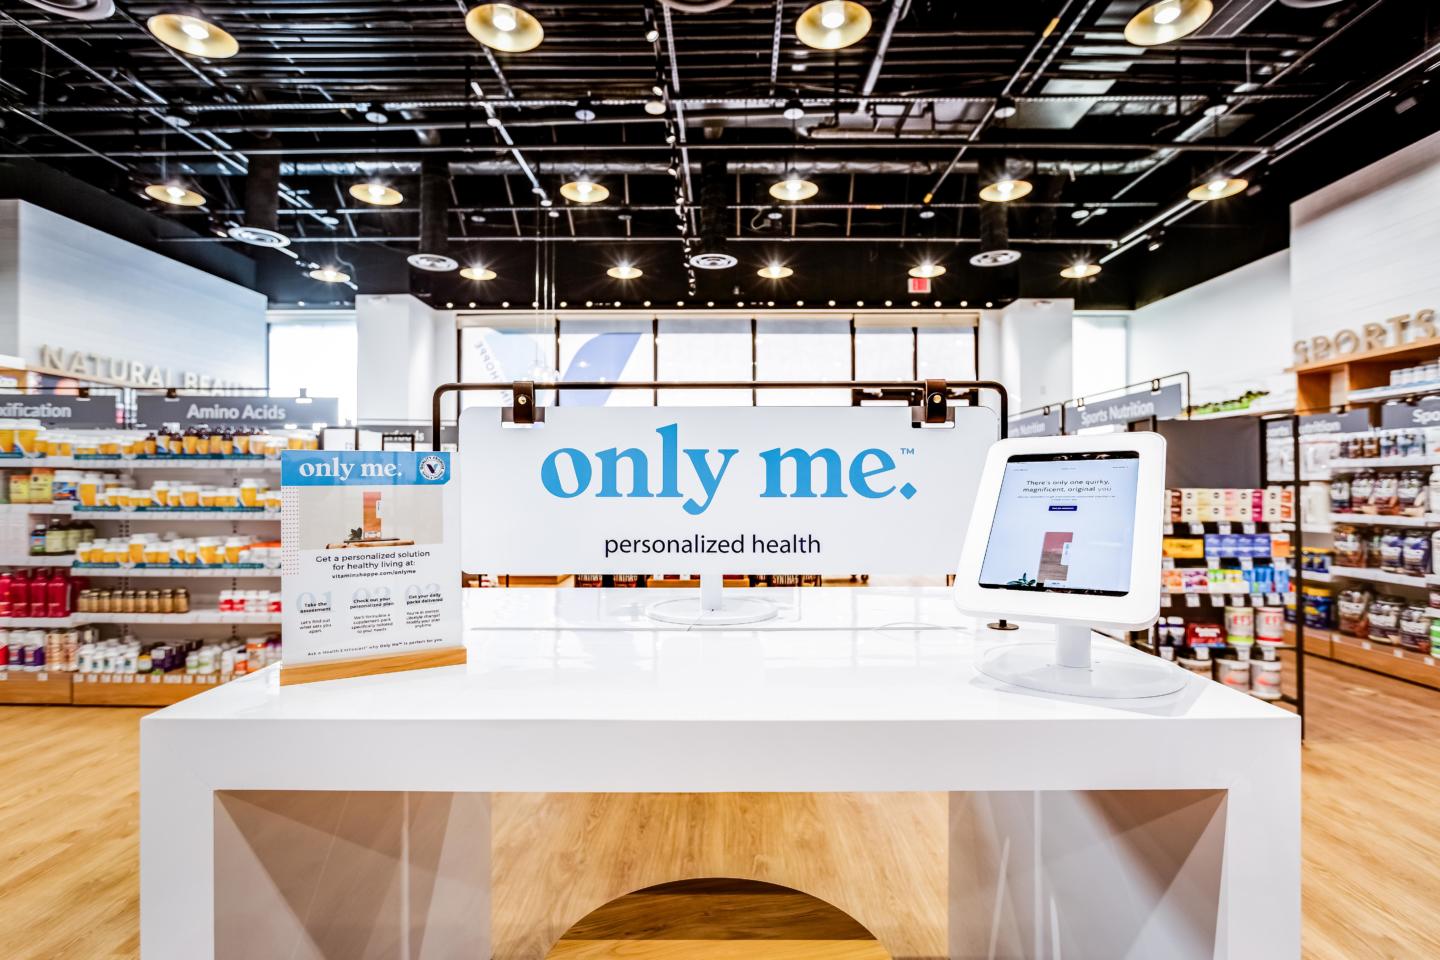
{"points": [[918, 387]]}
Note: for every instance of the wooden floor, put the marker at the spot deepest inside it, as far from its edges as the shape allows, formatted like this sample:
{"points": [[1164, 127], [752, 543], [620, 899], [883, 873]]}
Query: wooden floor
{"points": [[69, 857]]}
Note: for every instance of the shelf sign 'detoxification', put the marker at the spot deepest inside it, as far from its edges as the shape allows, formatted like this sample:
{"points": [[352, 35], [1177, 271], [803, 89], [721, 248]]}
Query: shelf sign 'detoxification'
{"points": [[237, 411], [715, 490], [59, 410]]}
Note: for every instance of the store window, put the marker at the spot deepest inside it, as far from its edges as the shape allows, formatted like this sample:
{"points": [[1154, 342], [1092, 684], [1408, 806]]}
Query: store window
{"points": [[704, 348], [946, 353], [315, 351], [505, 349], [802, 350], [607, 350]]}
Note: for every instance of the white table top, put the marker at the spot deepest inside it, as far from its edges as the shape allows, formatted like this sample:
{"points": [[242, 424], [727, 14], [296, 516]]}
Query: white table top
{"points": [[833, 654]]}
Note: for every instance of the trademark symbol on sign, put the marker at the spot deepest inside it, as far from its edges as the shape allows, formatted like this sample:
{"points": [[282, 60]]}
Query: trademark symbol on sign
{"points": [[907, 451]]}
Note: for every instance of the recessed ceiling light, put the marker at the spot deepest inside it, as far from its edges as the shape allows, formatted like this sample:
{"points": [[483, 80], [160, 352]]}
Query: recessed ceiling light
{"points": [[655, 106], [927, 212], [504, 27], [1218, 188], [584, 190], [1080, 270], [625, 271], [794, 109], [432, 262], [927, 271], [192, 35], [1079, 214], [175, 194], [584, 110], [1003, 191], [1167, 21], [1004, 108], [833, 24], [377, 116], [775, 271], [793, 188], [329, 275], [376, 193], [477, 272]]}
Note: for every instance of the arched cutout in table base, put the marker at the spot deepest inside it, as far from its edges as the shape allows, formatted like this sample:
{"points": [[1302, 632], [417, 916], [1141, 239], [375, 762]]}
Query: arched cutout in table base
{"points": [[718, 918]]}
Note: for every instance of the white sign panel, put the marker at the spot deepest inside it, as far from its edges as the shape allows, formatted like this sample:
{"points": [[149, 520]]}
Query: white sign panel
{"points": [[370, 564], [719, 490]]}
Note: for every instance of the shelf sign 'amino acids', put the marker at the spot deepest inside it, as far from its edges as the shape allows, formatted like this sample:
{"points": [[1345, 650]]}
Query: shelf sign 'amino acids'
{"points": [[718, 490]]}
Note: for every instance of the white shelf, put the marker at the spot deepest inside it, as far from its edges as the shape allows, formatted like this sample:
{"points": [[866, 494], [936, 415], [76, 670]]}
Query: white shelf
{"points": [[1372, 463], [157, 463], [247, 516], [72, 509], [1378, 576], [1371, 394], [173, 572], [1429, 520], [27, 560], [180, 619]]}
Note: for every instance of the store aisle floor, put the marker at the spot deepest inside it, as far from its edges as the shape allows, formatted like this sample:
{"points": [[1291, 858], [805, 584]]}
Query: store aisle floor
{"points": [[69, 857]]}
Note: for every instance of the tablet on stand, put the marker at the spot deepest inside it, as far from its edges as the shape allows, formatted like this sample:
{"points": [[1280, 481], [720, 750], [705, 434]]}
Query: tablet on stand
{"points": [[1066, 532]]}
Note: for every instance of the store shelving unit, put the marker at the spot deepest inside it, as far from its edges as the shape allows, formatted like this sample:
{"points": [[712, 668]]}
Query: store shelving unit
{"points": [[204, 583], [1361, 381]]}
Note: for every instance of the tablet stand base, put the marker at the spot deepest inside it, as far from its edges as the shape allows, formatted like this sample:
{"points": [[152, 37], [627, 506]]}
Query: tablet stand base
{"points": [[712, 608], [1070, 667]]}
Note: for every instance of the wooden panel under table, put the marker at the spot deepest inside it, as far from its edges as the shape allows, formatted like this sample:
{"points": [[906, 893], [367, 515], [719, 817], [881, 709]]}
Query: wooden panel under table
{"points": [[24, 686]]}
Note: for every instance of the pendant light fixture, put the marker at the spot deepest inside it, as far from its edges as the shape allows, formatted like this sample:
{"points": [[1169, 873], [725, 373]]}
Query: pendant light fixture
{"points": [[625, 271], [1080, 270], [433, 256], [1003, 191], [833, 24], [995, 248], [477, 272], [376, 193], [793, 188], [927, 270], [1167, 21], [775, 271], [174, 193], [329, 275], [584, 190], [191, 33], [1218, 187], [505, 27]]}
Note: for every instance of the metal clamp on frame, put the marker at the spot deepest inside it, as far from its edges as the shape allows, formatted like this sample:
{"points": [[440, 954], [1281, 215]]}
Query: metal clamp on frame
{"points": [[934, 408], [524, 411]]}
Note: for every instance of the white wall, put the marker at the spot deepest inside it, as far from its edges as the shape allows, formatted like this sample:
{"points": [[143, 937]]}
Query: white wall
{"points": [[1029, 347], [405, 350], [66, 285], [1232, 333], [1098, 360], [1364, 248]]}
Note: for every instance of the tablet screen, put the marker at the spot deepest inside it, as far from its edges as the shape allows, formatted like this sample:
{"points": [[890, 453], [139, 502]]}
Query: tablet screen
{"points": [[1064, 523]]}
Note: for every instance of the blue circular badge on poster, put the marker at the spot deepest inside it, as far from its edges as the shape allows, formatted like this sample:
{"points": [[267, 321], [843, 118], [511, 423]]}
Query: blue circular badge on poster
{"points": [[432, 468]]}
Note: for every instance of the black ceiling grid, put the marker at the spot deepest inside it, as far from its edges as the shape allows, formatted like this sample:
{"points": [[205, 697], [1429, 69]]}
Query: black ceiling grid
{"points": [[893, 126]]}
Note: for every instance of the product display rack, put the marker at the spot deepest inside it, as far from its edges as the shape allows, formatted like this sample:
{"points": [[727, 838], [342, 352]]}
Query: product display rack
{"points": [[1363, 382], [204, 621], [1206, 605]]}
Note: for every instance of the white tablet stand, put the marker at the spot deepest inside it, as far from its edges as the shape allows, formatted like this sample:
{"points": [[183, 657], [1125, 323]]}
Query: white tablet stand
{"points": [[1069, 665], [712, 607], [1055, 651]]}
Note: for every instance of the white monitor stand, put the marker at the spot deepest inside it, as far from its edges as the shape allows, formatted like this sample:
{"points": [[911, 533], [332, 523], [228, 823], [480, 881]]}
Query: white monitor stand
{"points": [[712, 608], [1066, 532]]}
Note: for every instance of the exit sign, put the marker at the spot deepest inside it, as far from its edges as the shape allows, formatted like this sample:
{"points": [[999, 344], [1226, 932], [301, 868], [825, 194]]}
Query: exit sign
{"points": [[919, 284]]}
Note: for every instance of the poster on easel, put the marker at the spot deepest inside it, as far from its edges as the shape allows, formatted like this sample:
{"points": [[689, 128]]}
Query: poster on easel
{"points": [[370, 570]]}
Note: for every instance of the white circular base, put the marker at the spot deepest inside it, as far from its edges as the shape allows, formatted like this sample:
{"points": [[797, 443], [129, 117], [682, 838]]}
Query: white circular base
{"points": [[687, 611], [1111, 675]]}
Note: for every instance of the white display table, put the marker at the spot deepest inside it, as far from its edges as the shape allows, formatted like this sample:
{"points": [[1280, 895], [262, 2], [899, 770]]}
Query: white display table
{"points": [[1113, 829]]}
